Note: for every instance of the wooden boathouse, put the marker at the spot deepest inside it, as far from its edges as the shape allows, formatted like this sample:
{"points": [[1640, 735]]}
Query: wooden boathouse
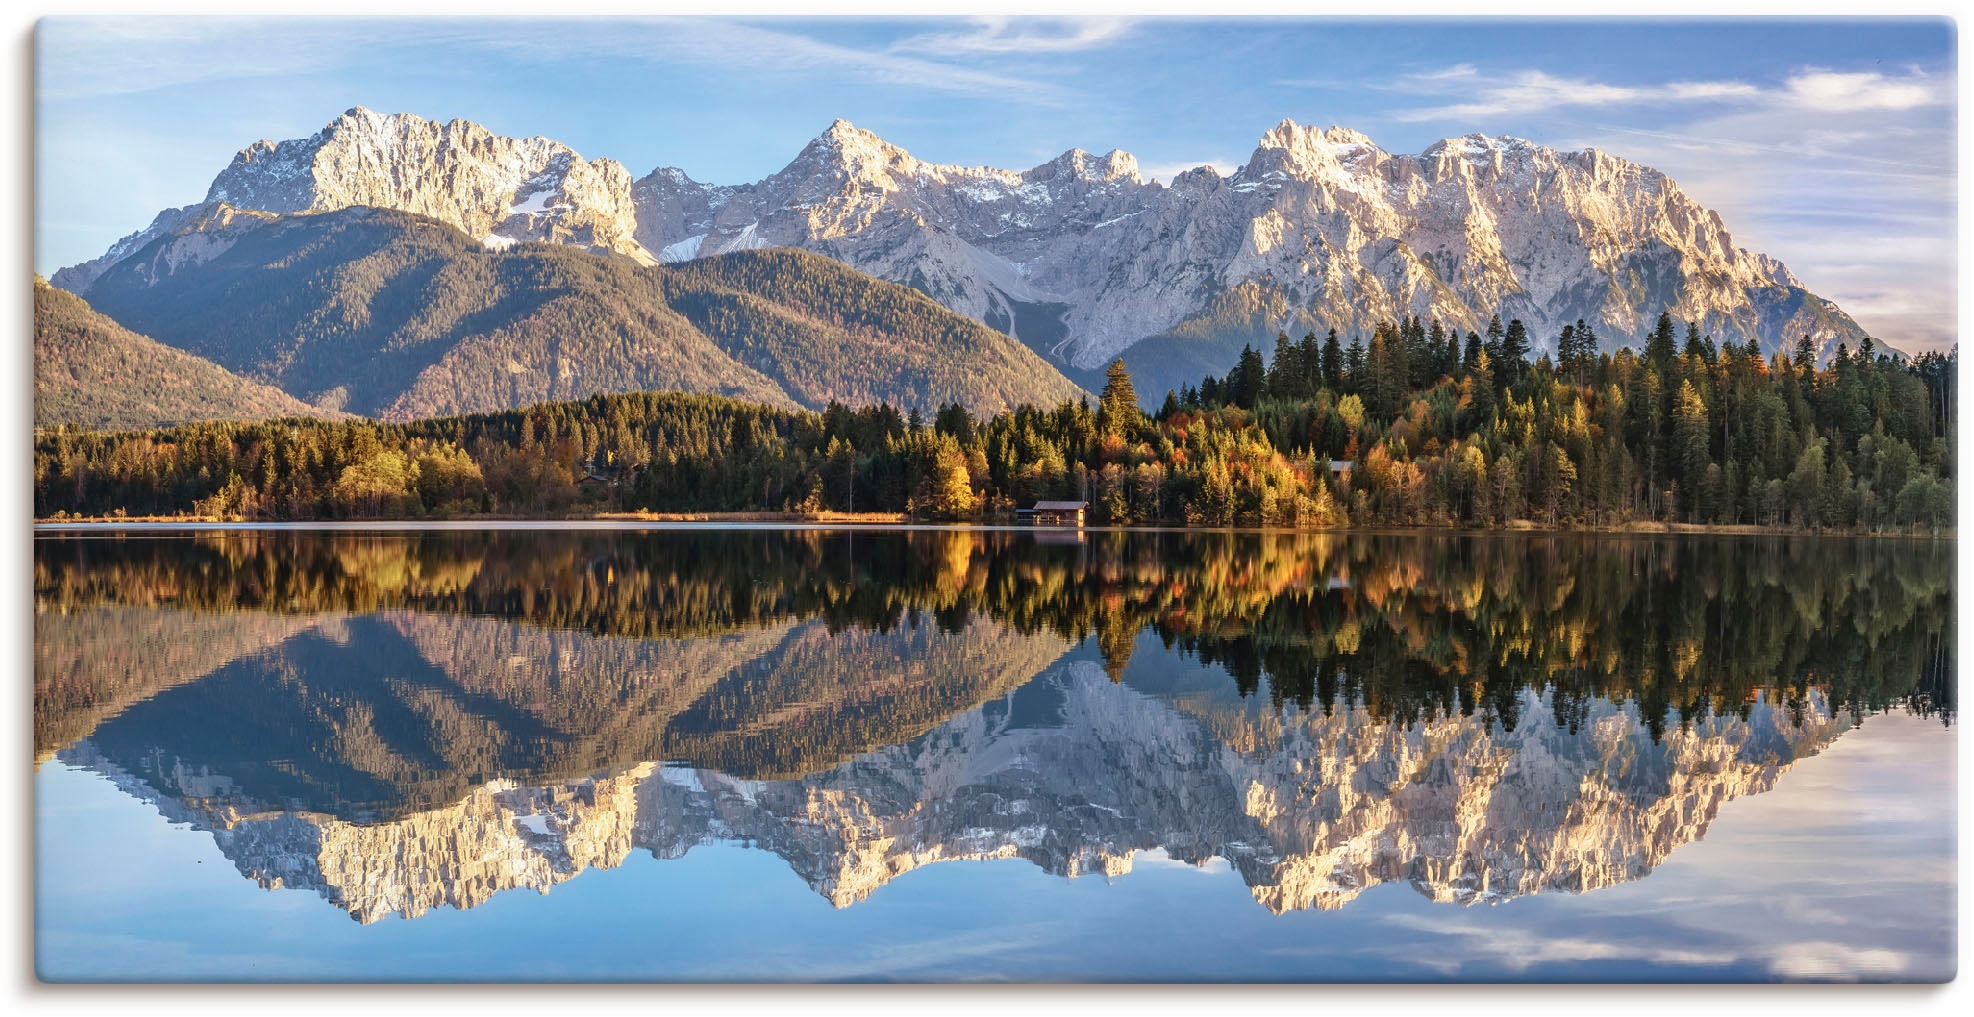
{"points": [[1055, 513]]}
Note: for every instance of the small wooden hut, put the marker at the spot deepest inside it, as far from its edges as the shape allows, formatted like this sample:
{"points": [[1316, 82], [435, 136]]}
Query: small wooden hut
{"points": [[1055, 513]]}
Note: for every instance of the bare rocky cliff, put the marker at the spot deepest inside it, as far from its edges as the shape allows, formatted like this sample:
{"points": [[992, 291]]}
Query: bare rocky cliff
{"points": [[499, 190]]}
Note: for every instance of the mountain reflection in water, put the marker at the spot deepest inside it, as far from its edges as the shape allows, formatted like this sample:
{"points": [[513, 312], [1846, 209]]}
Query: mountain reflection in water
{"points": [[401, 722]]}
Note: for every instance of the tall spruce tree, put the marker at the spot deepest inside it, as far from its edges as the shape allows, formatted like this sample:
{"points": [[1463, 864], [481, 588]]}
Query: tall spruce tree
{"points": [[1119, 403], [1333, 363], [1513, 358], [1659, 348], [1284, 371], [1249, 379], [1309, 354]]}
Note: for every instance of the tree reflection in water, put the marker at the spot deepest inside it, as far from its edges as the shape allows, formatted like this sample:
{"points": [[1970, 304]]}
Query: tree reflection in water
{"points": [[1483, 716]]}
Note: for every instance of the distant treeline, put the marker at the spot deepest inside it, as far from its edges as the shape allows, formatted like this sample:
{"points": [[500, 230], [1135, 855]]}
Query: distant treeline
{"points": [[1419, 427]]}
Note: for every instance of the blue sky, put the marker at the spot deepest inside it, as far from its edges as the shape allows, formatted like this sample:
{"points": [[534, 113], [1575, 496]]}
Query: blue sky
{"points": [[1829, 144]]}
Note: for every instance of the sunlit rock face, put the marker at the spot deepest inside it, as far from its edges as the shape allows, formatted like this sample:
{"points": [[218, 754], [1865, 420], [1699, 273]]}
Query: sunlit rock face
{"points": [[1084, 256], [500, 190], [1075, 774]]}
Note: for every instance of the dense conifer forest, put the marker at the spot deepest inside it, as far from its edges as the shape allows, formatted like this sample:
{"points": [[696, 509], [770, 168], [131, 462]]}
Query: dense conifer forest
{"points": [[91, 371], [1419, 427], [400, 317]]}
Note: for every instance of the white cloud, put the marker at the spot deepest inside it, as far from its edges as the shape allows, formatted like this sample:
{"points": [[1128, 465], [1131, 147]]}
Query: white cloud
{"points": [[1833, 92], [1517, 950], [1005, 35], [85, 57], [1534, 91]]}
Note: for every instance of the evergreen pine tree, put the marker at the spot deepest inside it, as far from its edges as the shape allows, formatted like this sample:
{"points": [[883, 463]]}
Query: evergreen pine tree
{"points": [[1309, 355], [1119, 412], [1659, 349], [1694, 347], [1249, 379], [1438, 347], [1333, 363], [1513, 359], [1284, 373]]}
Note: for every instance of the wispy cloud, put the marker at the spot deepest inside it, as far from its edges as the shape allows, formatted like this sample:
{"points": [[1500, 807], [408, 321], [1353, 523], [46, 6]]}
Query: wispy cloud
{"points": [[1835, 92], [729, 45], [1009, 36], [84, 57], [79, 58], [1524, 92], [1534, 91]]}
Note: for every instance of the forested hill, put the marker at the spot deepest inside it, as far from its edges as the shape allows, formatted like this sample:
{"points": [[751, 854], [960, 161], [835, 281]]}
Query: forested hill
{"points": [[1416, 429], [397, 316], [89, 370]]}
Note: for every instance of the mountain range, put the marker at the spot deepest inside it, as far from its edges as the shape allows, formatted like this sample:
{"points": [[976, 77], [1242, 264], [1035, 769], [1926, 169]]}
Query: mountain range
{"points": [[397, 315], [1083, 258]]}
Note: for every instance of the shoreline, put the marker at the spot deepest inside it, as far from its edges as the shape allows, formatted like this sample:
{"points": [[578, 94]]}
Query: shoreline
{"points": [[899, 520]]}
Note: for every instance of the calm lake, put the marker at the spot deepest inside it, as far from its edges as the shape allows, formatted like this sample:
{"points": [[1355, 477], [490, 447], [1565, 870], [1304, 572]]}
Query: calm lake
{"points": [[787, 754]]}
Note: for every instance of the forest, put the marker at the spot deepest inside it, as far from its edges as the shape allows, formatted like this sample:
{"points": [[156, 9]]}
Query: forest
{"points": [[1419, 427]]}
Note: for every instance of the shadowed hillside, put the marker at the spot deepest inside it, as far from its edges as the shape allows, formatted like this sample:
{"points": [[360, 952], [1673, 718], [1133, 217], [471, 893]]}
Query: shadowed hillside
{"points": [[91, 371], [397, 316]]}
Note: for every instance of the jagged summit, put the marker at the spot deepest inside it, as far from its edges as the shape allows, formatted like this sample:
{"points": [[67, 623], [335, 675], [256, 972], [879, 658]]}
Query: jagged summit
{"points": [[850, 145], [502, 190], [1082, 257], [1116, 164], [1333, 140]]}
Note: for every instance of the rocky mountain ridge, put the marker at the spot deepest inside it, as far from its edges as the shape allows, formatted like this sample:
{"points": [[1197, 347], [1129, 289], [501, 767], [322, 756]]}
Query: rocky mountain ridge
{"points": [[496, 189], [1083, 257]]}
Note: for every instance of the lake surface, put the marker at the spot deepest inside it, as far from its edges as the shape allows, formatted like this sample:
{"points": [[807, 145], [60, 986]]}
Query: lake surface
{"points": [[771, 754]]}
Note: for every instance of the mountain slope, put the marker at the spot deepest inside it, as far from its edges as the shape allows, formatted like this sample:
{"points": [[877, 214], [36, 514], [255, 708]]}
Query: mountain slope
{"points": [[778, 311], [400, 316], [89, 370]]}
